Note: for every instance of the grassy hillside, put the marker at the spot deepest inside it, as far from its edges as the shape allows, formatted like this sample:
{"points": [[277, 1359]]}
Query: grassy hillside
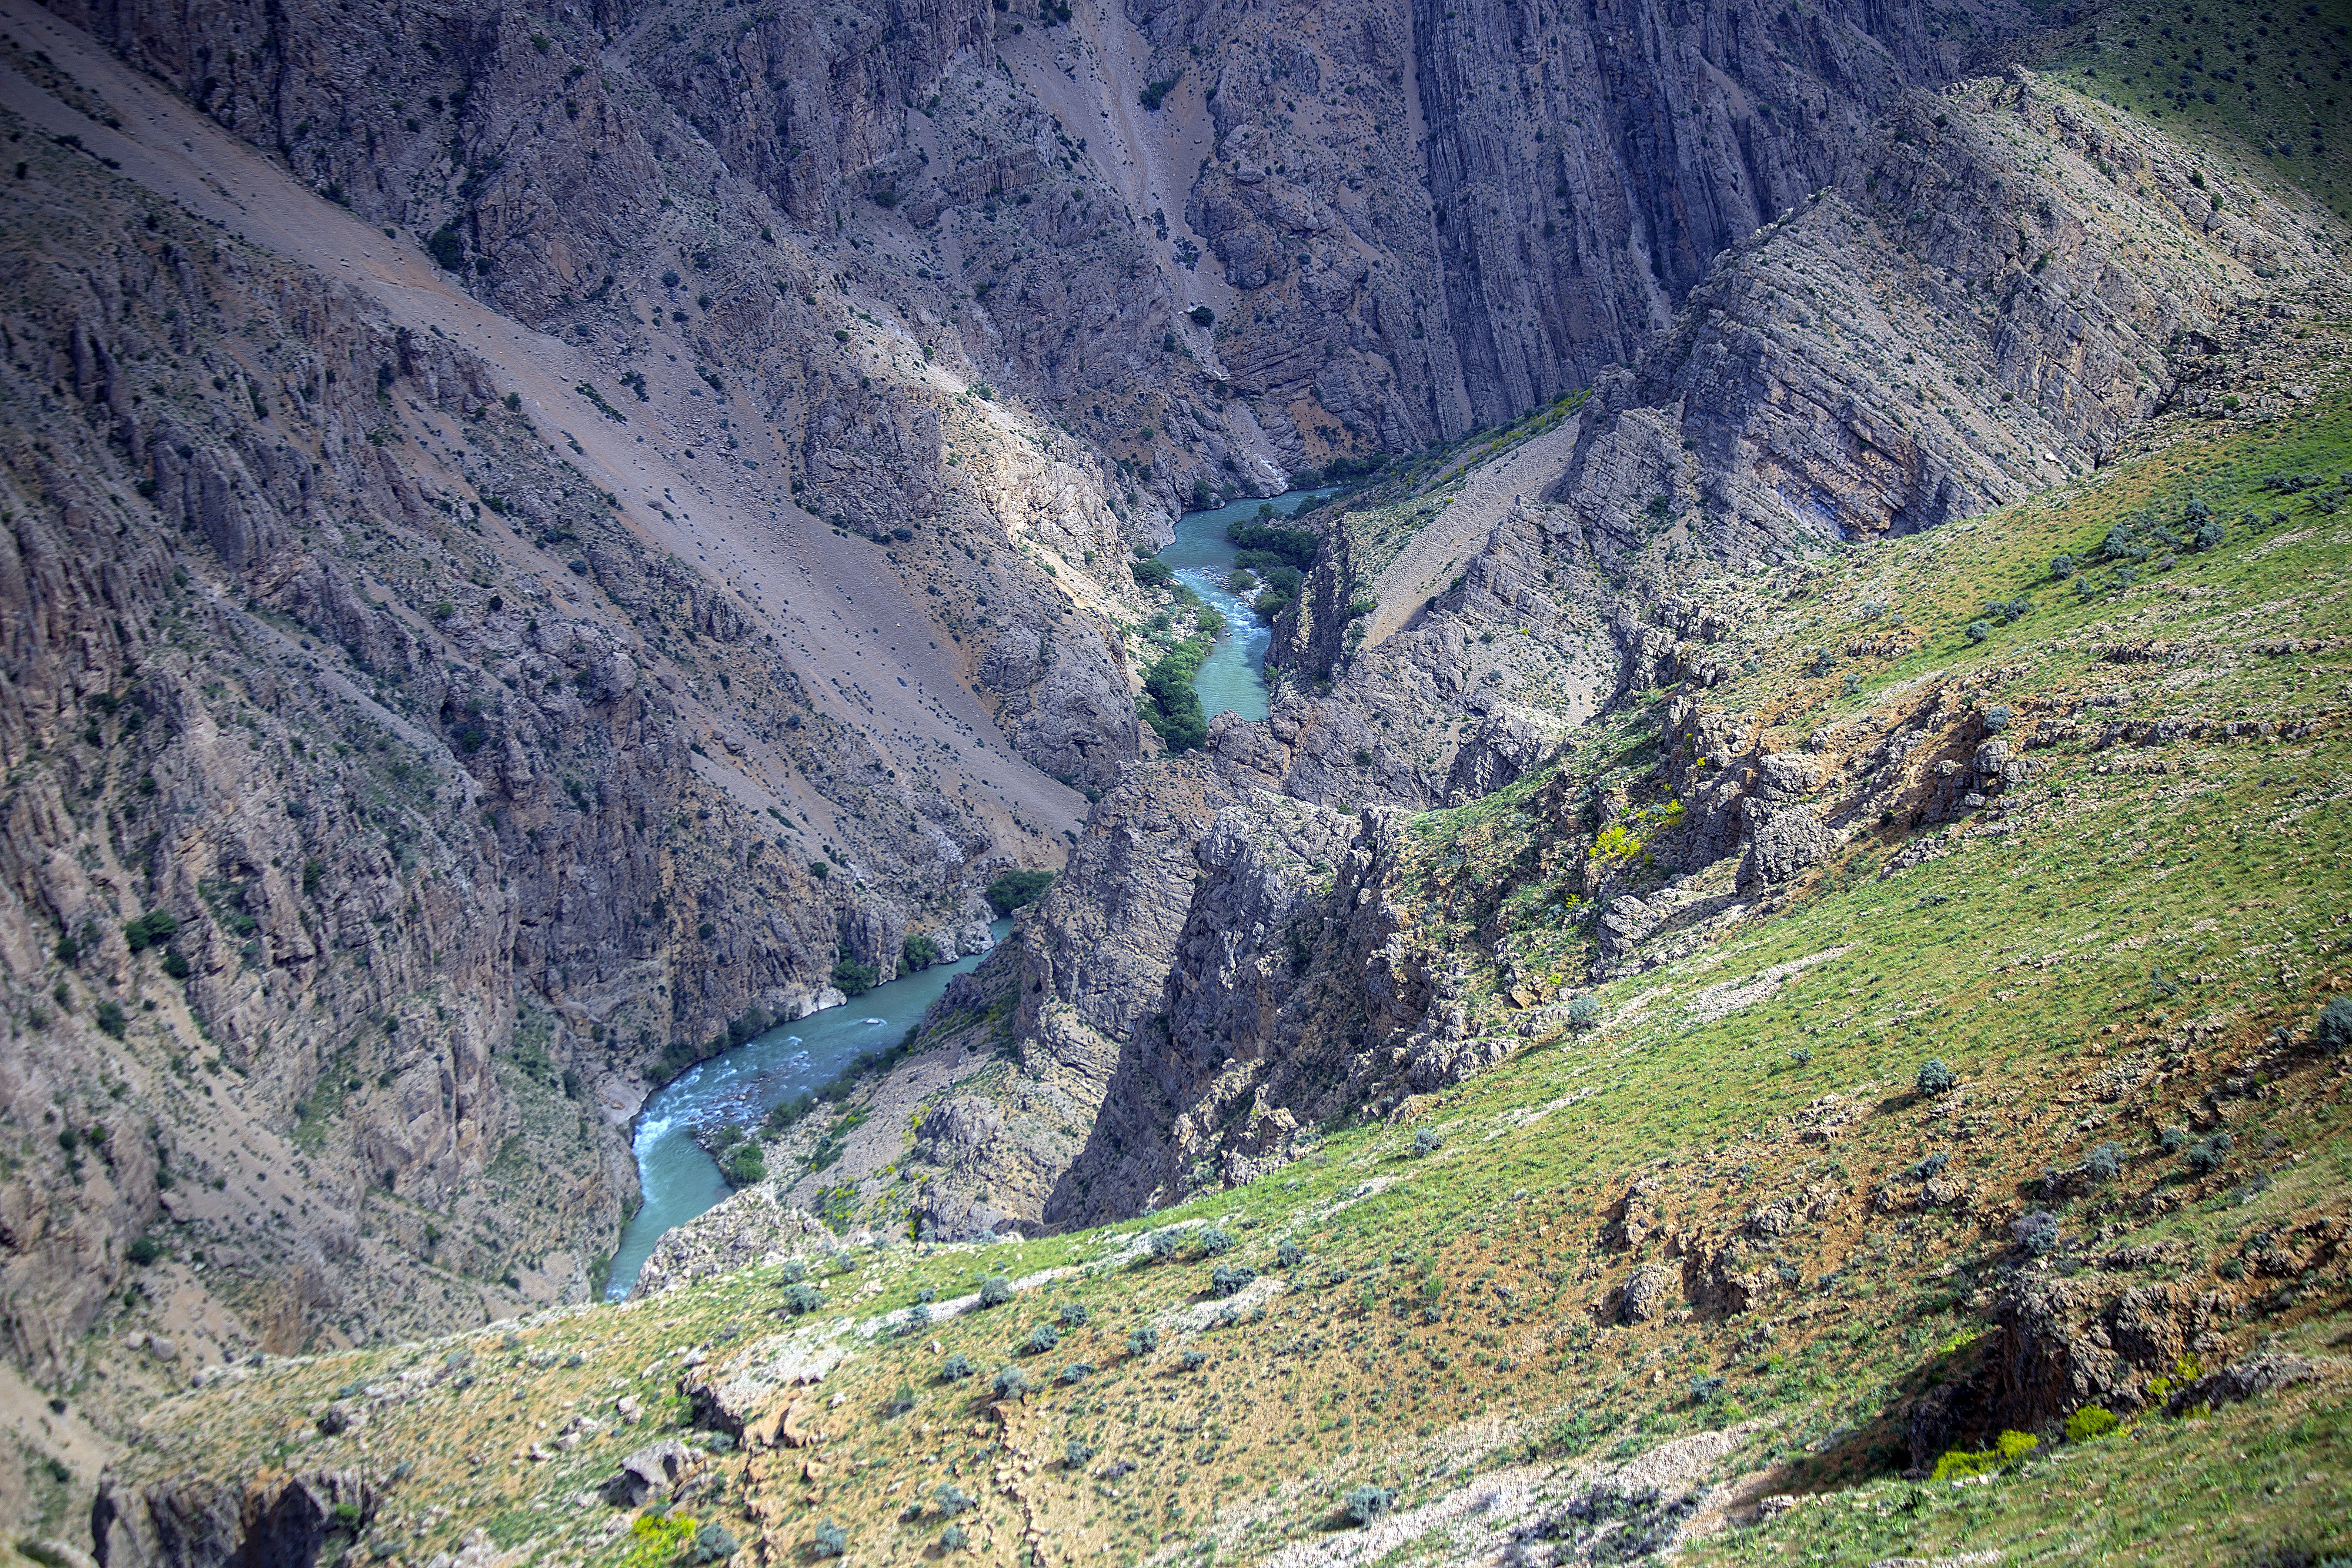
{"points": [[2268, 77], [1706, 1240]]}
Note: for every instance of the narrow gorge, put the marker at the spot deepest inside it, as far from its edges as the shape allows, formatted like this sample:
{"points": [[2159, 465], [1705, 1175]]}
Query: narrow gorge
{"points": [[701, 695]]}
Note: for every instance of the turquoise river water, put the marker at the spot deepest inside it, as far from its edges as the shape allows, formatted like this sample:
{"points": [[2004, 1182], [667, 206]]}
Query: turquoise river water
{"points": [[678, 1180], [1233, 678]]}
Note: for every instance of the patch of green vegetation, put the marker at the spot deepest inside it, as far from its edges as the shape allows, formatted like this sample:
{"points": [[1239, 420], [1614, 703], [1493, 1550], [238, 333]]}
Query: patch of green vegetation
{"points": [[2262, 84], [1012, 890]]}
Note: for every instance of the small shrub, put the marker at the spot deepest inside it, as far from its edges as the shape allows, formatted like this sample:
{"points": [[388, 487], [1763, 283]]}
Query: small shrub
{"points": [[1364, 1504], [109, 1017], [1930, 1166], [2333, 1027], [143, 1250], [1230, 1279], [1426, 1141], [902, 1399], [1997, 718], [995, 1290], [1192, 1361], [955, 1368], [2008, 1450], [794, 1270], [951, 1500], [2036, 1230], [1041, 1338], [1012, 1383], [2103, 1163], [2090, 1423], [715, 1543], [1703, 1389], [1143, 1340], [2173, 1139], [1980, 630], [2062, 566], [151, 929], [1162, 1245], [1076, 1454], [1935, 1078], [1584, 1014], [803, 1297], [1077, 1372], [952, 1539], [1290, 1254], [2206, 1156], [1074, 1314], [830, 1541], [1214, 1240]]}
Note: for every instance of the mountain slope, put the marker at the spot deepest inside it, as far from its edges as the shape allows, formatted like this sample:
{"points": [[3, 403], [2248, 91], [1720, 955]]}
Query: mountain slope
{"points": [[1928, 1146]]}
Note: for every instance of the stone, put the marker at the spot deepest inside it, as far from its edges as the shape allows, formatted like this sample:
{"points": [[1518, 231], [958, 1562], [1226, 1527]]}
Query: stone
{"points": [[649, 1473], [1648, 1293]]}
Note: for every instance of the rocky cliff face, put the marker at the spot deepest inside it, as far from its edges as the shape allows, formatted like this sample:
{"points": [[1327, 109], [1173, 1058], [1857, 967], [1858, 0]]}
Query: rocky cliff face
{"points": [[421, 736], [2012, 279], [1432, 216]]}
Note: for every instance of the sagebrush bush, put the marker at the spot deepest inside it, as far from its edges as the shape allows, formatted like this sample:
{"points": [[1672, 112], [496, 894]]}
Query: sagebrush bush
{"points": [[951, 1500], [1426, 1141], [995, 1290], [2036, 1230], [1143, 1340], [902, 1399], [1076, 1453], [953, 1539], [1584, 1014], [830, 1541], [1077, 1372], [1012, 1383], [1288, 1254], [955, 1368], [2173, 1139], [2333, 1027], [2207, 1155], [1162, 1244], [799, 1296], [1041, 1338], [1214, 1240], [794, 1272], [1366, 1503], [2062, 566], [1935, 1078], [2103, 1163], [1074, 1314], [1192, 1361], [1230, 1279]]}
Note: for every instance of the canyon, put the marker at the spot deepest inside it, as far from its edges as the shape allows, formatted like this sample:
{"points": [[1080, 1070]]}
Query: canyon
{"points": [[543, 541]]}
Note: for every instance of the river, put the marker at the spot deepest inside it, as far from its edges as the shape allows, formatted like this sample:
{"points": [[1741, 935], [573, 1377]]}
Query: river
{"points": [[678, 1180], [1233, 678]]}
